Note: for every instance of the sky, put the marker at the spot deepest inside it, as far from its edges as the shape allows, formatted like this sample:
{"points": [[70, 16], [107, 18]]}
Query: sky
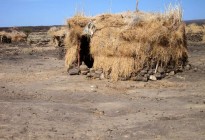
{"points": [[55, 12]]}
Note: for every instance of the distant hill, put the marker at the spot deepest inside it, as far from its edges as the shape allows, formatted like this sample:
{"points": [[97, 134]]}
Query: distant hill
{"points": [[198, 22], [31, 28]]}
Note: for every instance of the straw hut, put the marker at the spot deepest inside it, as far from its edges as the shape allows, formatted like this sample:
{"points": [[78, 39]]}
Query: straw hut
{"points": [[13, 36], [58, 35], [126, 43]]}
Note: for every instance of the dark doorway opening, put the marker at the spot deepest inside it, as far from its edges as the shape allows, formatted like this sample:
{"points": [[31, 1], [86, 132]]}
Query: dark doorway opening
{"points": [[85, 55]]}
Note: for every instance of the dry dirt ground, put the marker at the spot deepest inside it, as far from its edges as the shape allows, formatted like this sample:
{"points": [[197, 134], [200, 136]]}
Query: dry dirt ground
{"points": [[39, 101]]}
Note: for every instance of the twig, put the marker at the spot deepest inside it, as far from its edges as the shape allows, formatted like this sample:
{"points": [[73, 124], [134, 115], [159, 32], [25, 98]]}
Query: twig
{"points": [[156, 67]]}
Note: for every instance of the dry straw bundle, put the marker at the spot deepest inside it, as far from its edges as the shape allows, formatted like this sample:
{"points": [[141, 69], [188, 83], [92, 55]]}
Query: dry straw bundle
{"points": [[126, 43]]}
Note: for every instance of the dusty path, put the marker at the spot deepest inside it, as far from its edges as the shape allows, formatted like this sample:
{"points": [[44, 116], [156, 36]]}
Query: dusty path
{"points": [[38, 100]]}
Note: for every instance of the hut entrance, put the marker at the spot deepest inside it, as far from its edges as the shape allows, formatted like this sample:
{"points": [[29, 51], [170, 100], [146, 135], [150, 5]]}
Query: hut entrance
{"points": [[85, 55]]}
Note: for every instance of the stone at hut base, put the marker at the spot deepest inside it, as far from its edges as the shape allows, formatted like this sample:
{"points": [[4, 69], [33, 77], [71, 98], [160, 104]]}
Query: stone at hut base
{"points": [[153, 78], [74, 71], [172, 73], [160, 70], [158, 76], [84, 72], [83, 67], [102, 76]]}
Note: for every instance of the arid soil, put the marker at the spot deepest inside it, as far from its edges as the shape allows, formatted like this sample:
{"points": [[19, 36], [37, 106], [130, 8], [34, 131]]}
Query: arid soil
{"points": [[40, 101]]}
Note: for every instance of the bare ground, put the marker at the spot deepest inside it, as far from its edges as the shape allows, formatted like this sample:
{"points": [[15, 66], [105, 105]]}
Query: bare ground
{"points": [[38, 100]]}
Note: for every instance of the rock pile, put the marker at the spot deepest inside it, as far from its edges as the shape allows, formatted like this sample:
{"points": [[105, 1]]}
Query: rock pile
{"points": [[144, 75], [90, 73]]}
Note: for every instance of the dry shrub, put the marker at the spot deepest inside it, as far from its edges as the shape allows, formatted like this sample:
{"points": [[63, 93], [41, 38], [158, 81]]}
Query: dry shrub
{"points": [[127, 42]]}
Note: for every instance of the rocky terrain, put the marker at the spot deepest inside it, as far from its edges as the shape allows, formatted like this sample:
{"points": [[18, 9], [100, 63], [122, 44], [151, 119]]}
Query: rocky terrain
{"points": [[40, 100]]}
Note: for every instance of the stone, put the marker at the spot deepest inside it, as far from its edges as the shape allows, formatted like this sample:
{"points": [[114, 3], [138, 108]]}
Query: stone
{"points": [[143, 72], [146, 75], [151, 71], [133, 78], [168, 70], [139, 78], [93, 90], [180, 69], [88, 75], [96, 76], [93, 86], [99, 72], [102, 76], [92, 70], [158, 76], [160, 70], [195, 69], [92, 74], [163, 75], [83, 67], [123, 79], [145, 79], [70, 67], [153, 78], [74, 71], [84, 72], [172, 73]]}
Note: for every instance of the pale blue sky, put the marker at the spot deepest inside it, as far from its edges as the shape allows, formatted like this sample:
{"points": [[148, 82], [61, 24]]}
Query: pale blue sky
{"points": [[55, 12]]}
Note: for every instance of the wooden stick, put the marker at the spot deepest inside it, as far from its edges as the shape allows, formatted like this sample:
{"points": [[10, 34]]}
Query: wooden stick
{"points": [[156, 67], [137, 2], [78, 54]]}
